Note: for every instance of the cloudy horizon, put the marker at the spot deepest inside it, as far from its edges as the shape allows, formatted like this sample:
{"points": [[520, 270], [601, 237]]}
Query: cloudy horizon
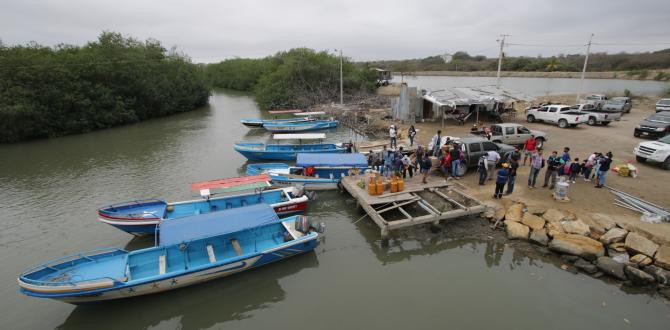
{"points": [[210, 31]]}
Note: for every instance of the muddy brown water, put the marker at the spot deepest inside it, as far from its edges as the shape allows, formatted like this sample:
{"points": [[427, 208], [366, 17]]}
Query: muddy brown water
{"points": [[463, 277]]}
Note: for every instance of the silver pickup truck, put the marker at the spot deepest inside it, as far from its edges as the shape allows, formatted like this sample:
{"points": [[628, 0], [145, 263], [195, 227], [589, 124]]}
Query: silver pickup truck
{"points": [[597, 116], [515, 134]]}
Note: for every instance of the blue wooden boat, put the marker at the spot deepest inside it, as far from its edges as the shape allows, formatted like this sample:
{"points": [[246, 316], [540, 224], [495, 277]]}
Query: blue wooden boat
{"points": [[299, 126], [262, 151], [190, 251], [142, 217], [258, 122], [312, 171]]}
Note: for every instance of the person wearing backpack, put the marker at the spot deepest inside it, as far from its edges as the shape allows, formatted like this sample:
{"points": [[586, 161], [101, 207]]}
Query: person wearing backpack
{"points": [[536, 164]]}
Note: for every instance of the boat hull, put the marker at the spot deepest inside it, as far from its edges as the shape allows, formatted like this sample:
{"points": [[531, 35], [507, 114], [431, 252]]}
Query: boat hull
{"points": [[184, 279], [299, 127], [141, 227]]}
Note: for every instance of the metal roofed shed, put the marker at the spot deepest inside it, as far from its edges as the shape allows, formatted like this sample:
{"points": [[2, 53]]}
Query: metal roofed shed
{"points": [[462, 102], [175, 231], [332, 160], [304, 136]]}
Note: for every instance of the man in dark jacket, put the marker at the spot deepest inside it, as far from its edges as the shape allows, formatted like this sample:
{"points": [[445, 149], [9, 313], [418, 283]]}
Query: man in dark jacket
{"points": [[605, 163], [511, 176], [501, 179], [455, 154], [553, 164]]}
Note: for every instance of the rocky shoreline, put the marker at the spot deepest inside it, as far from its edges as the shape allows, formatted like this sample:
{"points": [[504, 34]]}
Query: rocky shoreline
{"points": [[599, 248]]}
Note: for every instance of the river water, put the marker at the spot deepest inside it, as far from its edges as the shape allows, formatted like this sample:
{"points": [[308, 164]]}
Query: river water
{"points": [[50, 189], [542, 86]]}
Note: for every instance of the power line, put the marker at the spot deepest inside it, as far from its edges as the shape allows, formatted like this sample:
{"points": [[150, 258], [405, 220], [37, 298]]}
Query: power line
{"points": [[632, 44], [541, 45]]}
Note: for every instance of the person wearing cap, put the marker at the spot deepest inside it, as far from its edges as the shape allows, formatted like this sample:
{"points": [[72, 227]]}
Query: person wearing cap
{"points": [[501, 179]]}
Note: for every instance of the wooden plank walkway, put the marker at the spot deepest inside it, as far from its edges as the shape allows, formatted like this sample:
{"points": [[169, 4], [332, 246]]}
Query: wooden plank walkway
{"points": [[418, 204]]}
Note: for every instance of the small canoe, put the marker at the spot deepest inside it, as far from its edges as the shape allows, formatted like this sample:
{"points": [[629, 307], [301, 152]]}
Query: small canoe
{"points": [[258, 123], [299, 126], [190, 251], [312, 171], [141, 217]]}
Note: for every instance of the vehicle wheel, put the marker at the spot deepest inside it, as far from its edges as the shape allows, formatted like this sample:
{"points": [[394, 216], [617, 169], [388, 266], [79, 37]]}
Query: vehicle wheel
{"points": [[539, 143], [636, 134], [530, 119], [640, 159], [592, 121], [463, 168], [605, 123], [563, 123], [666, 164]]}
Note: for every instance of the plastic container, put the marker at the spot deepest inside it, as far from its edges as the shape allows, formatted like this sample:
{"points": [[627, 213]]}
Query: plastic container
{"points": [[380, 187], [394, 184], [372, 187], [561, 190], [401, 184]]}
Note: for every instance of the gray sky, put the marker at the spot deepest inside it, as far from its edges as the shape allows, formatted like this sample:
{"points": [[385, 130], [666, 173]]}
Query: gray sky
{"points": [[212, 30]]}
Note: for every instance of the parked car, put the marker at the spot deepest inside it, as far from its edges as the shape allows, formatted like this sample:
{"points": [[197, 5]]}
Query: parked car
{"points": [[515, 134], [475, 147], [558, 114], [663, 105], [655, 151], [598, 100], [657, 125], [622, 104], [597, 116]]}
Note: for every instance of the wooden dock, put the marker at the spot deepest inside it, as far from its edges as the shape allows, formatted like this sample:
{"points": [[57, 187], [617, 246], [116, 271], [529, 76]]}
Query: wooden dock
{"points": [[417, 204]]}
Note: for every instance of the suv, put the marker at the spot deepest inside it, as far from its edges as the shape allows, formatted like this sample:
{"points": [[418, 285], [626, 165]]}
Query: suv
{"points": [[621, 103], [658, 125], [663, 105], [476, 147], [656, 151]]}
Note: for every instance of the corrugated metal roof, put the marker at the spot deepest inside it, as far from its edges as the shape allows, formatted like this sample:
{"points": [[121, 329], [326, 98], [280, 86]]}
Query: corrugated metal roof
{"points": [[474, 95]]}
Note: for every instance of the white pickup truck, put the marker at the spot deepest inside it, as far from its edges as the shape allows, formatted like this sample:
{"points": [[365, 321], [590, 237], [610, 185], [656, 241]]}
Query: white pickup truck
{"points": [[559, 114], [597, 116], [656, 151]]}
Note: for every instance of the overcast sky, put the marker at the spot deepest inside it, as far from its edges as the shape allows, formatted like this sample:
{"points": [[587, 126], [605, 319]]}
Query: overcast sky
{"points": [[212, 30]]}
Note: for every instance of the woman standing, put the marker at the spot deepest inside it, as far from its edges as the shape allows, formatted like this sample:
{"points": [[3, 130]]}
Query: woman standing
{"points": [[412, 134]]}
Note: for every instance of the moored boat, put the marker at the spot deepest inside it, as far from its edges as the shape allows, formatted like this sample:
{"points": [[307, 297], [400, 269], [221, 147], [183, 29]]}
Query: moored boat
{"points": [[262, 151], [142, 217], [299, 126], [190, 250], [258, 123], [312, 171]]}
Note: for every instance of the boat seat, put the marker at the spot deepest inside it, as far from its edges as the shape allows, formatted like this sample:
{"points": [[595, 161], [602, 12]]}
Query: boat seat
{"points": [[210, 253], [236, 246], [161, 264]]}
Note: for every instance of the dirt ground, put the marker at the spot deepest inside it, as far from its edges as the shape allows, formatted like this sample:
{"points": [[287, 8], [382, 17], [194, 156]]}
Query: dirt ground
{"points": [[652, 184]]}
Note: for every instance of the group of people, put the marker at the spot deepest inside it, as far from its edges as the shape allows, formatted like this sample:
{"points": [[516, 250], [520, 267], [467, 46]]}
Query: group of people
{"points": [[450, 156], [392, 162]]}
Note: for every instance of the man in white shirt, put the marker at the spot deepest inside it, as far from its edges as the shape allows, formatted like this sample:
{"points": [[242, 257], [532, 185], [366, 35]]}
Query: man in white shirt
{"points": [[492, 158], [393, 133]]}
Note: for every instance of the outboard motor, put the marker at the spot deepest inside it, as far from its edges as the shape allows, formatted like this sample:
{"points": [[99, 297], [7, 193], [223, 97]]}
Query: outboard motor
{"points": [[311, 195]]}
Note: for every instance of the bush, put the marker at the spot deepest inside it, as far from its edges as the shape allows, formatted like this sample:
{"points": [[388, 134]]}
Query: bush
{"points": [[46, 92]]}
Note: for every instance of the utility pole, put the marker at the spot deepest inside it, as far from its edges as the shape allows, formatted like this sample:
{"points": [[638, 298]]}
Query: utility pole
{"points": [[341, 81], [500, 56], [586, 61]]}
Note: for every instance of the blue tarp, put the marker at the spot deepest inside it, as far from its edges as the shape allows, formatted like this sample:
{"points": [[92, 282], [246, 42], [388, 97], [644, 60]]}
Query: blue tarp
{"points": [[175, 231], [311, 159]]}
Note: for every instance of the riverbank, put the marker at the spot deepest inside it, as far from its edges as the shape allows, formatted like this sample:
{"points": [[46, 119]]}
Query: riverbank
{"points": [[658, 75]]}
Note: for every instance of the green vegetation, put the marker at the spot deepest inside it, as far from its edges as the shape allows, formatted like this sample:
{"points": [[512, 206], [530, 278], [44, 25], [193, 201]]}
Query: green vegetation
{"points": [[299, 77], [52, 91], [598, 62]]}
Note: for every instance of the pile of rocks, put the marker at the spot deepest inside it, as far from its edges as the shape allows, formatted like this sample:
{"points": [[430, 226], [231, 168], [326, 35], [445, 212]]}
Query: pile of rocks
{"points": [[597, 248]]}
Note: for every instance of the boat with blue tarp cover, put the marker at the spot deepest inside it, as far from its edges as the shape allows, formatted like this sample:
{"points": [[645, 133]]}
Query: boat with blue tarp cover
{"points": [[189, 251], [262, 151], [300, 126], [312, 171], [141, 217]]}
